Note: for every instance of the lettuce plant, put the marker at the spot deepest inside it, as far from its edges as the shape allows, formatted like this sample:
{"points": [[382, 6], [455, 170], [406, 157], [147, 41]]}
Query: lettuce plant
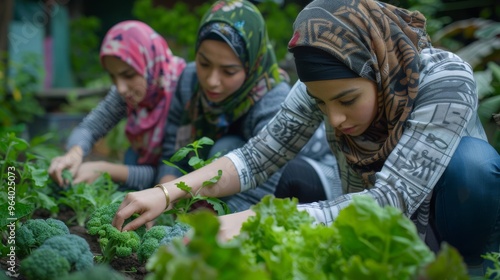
{"points": [[280, 242]]}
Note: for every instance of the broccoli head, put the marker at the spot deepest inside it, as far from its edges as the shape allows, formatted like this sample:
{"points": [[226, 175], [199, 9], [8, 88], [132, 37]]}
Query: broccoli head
{"points": [[58, 256], [104, 215], [97, 272], [73, 248], [117, 243], [112, 241], [33, 233], [44, 264], [157, 236], [100, 217]]}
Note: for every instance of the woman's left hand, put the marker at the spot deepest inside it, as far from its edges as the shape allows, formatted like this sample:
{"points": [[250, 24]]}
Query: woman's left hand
{"points": [[230, 225]]}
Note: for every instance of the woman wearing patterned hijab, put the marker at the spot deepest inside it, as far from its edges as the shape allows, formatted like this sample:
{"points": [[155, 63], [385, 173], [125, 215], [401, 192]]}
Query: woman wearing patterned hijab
{"points": [[229, 93], [401, 119], [144, 73]]}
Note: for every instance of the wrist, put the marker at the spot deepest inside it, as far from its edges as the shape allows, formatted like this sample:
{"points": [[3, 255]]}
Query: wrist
{"points": [[166, 193], [76, 151]]}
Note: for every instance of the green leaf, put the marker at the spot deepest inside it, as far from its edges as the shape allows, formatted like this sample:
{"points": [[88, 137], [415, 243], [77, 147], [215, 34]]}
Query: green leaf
{"points": [[440, 268], [219, 206], [183, 186], [47, 202], [213, 180], [195, 162], [382, 238], [38, 175], [174, 165], [181, 154], [21, 210], [203, 141], [493, 273]]}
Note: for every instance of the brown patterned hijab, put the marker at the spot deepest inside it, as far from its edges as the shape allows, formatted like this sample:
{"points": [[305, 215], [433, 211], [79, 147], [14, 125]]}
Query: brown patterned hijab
{"points": [[379, 42]]}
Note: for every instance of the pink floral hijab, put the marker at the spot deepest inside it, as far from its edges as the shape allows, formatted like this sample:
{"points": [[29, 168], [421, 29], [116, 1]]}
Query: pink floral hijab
{"points": [[147, 52]]}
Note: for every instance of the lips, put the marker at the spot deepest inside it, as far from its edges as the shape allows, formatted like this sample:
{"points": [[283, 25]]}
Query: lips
{"points": [[348, 130], [212, 95]]}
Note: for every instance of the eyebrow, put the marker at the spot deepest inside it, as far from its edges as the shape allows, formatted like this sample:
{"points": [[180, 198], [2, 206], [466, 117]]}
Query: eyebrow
{"points": [[223, 66], [337, 96]]}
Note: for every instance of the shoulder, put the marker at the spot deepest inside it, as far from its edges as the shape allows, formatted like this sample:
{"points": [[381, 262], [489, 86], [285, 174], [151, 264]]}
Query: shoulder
{"points": [[436, 61], [188, 74], [271, 102], [187, 82], [280, 91]]}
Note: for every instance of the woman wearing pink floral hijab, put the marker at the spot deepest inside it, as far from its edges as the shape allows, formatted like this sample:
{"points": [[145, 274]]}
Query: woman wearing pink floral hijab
{"points": [[145, 74]]}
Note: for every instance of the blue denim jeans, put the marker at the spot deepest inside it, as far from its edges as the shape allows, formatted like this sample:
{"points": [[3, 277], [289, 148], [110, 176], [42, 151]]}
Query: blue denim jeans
{"points": [[466, 201], [244, 200], [130, 157], [226, 144]]}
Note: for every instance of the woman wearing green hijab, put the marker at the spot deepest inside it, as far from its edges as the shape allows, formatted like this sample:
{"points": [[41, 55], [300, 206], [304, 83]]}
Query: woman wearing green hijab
{"points": [[230, 92]]}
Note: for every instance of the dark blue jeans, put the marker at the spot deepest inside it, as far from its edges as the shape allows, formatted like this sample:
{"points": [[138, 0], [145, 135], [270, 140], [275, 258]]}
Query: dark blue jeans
{"points": [[465, 208]]}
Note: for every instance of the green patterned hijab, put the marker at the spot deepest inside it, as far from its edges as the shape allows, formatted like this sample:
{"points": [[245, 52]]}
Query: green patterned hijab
{"points": [[240, 24]]}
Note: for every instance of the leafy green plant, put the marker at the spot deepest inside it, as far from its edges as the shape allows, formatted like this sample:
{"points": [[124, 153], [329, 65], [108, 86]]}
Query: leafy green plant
{"points": [[24, 178], [84, 198], [366, 241], [488, 84], [18, 87], [195, 161], [23, 167], [493, 273]]}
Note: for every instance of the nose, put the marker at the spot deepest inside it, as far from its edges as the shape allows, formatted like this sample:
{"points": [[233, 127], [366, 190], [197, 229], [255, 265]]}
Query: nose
{"points": [[336, 117], [213, 79], [121, 85]]}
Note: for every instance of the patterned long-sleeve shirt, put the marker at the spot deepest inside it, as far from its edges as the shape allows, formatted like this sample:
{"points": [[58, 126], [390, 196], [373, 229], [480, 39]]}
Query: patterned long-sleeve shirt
{"points": [[444, 112], [108, 113]]}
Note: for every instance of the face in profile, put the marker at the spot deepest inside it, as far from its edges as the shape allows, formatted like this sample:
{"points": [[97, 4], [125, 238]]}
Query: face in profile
{"points": [[349, 104], [220, 71], [131, 85]]}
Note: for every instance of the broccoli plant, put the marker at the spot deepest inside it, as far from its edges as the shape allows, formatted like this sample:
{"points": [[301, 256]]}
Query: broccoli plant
{"points": [[112, 241], [33, 233], [56, 257], [196, 162], [160, 235], [84, 198]]}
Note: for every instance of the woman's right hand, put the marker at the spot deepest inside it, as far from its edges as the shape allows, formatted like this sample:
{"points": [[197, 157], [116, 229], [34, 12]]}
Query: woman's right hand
{"points": [[148, 203], [71, 161]]}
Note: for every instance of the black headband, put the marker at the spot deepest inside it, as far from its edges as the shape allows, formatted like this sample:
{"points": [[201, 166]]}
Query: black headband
{"points": [[314, 64]]}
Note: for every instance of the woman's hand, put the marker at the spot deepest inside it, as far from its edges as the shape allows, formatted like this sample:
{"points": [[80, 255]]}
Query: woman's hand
{"points": [[89, 171], [149, 204], [71, 161], [230, 225]]}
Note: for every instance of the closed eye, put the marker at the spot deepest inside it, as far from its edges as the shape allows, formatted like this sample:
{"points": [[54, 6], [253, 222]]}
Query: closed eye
{"points": [[348, 102]]}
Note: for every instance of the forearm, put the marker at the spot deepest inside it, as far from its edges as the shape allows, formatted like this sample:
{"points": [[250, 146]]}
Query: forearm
{"points": [[167, 178], [118, 172], [228, 184]]}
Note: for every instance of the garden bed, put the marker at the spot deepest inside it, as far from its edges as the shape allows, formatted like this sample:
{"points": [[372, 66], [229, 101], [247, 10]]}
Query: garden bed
{"points": [[129, 267]]}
